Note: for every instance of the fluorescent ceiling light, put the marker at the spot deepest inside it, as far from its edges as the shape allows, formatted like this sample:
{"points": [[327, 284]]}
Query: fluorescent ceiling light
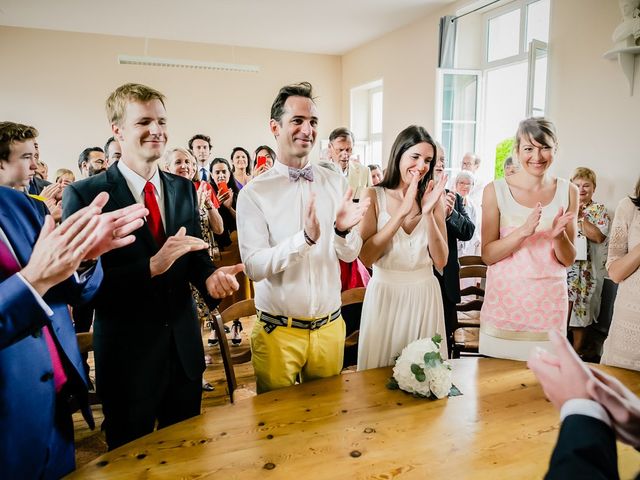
{"points": [[182, 63]]}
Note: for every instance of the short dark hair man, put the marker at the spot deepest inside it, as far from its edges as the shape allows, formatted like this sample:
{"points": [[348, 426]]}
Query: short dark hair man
{"points": [[376, 174], [341, 142], [291, 250], [112, 151], [91, 162], [200, 146]]}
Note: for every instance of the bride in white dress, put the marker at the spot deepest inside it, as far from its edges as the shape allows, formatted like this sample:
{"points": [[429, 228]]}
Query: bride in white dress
{"points": [[404, 237]]}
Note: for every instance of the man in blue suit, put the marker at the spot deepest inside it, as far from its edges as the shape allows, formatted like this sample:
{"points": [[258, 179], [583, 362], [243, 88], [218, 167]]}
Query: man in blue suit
{"points": [[41, 376]]}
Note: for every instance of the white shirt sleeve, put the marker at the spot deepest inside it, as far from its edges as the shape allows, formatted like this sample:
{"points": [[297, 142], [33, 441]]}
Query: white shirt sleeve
{"points": [[37, 296], [582, 406], [261, 260]]}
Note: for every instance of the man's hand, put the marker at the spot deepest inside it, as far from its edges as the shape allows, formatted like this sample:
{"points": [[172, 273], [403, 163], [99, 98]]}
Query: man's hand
{"points": [[114, 229], [349, 214], [433, 194], [449, 203], [311, 223], [222, 283], [621, 403], [58, 251], [562, 376], [175, 247]]}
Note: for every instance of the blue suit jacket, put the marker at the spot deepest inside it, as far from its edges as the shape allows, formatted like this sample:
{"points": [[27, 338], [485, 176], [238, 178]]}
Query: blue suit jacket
{"points": [[27, 393]]}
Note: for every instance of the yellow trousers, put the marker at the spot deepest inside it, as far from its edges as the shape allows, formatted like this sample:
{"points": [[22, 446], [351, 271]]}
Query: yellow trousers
{"points": [[280, 356]]}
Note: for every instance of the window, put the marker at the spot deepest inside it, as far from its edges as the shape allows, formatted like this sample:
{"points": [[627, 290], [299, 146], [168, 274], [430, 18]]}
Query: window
{"points": [[366, 122], [499, 78], [458, 112]]}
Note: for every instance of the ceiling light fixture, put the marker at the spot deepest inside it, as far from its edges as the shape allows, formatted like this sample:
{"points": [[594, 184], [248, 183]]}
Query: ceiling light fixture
{"points": [[181, 63]]}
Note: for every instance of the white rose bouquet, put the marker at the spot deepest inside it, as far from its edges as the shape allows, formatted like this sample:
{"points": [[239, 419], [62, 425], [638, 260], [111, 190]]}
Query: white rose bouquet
{"points": [[420, 370]]}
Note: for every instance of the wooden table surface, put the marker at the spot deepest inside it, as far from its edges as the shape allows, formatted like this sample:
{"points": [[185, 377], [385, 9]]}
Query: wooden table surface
{"points": [[351, 426]]}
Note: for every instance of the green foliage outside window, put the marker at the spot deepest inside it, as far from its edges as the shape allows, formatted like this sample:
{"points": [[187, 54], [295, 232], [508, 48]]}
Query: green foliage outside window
{"points": [[503, 150]]}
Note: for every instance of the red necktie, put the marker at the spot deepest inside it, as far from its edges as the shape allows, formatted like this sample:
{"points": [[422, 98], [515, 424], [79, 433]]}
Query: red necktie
{"points": [[9, 266], [154, 220]]}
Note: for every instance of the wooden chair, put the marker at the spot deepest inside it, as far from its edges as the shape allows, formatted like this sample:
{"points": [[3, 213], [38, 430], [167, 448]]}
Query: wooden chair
{"points": [[243, 308], [231, 256], [466, 335], [351, 297], [85, 345]]}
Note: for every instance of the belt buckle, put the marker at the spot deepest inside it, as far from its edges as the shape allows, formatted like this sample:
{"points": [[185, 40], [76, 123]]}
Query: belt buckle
{"points": [[312, 325]]}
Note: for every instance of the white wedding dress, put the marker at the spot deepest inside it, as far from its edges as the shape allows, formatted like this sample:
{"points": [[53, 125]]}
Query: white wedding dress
{"points": [[403, 301]]}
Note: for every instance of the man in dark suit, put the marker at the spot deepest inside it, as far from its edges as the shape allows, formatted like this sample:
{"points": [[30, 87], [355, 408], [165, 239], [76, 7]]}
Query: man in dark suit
{"points": [[595, 408], [37, 184], [41, 375], [459, 227], [147, 341]]}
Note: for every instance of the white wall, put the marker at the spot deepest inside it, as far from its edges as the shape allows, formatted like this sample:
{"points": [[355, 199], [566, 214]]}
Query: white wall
{"points": [[58, 82], [598, 122]]}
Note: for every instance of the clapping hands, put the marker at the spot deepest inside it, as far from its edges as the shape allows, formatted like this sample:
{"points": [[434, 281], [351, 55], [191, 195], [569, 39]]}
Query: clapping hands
{"points": [[564, 376]]}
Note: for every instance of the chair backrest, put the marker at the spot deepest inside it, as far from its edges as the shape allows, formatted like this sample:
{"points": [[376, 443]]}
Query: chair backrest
{"points": [[351, 297], [467, 331], [85, 342], [466, 260], [354, 295], [243, 308]]}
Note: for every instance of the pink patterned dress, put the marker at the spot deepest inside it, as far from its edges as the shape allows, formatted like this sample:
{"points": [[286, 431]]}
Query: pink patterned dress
{"points": [[526, 292]]}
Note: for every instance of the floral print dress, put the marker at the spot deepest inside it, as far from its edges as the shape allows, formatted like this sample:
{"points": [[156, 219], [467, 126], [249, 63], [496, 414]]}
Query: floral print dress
{"points": [[585, 277]]}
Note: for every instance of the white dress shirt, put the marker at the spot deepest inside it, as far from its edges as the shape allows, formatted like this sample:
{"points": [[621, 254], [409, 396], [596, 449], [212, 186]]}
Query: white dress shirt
{"points": [[39, 299], [291, 277], [136, 184]]}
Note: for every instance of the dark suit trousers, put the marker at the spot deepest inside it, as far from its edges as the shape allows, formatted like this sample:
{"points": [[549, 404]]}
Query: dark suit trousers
{"points": [[133, 412], [60, 458], [450, 320]]}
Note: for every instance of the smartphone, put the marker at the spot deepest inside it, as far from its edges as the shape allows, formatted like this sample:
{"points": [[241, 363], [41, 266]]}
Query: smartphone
{"points": [[222, 188], [261, 161]]}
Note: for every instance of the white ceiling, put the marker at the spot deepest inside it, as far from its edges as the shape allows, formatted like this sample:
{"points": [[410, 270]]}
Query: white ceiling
{"points": [[327, 26]]}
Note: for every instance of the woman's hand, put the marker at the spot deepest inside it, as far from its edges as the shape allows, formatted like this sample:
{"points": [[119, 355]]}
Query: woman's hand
{"points": [[533, 220], [409, 197], [226, 198], [560, 222]]}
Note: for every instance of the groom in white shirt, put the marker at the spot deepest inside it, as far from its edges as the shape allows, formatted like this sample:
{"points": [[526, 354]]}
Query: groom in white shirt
{"points": [[294, 223]]}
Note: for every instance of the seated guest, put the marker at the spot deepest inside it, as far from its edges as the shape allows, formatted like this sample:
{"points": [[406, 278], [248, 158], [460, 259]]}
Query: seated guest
{"points": [[376, 174], [240, 166], [463, 185], [269, 157], [226, 190], [527, 247], [621, 348], [586, 275], [294, 223], [595, 409]]}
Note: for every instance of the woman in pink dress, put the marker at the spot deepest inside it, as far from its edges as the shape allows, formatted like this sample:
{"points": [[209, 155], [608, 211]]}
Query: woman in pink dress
{"points": [[528, 234]]}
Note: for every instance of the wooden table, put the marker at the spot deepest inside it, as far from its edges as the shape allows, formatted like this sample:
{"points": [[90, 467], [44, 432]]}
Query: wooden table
{"points": [[351, 426]]}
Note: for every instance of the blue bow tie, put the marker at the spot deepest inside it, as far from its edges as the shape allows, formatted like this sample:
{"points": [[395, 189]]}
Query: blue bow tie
{"points": [[296, 173]]}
